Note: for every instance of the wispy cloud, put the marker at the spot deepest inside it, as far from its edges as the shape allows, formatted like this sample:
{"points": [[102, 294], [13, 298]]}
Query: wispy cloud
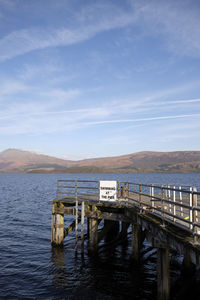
{"points": [[26, 40], [177, 21], [142, 119]]}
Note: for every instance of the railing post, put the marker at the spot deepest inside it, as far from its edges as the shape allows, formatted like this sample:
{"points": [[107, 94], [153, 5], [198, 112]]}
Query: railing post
{"points": [[169, 198], [57, 193], [166, 191], [140, 196], [174, 203], [152, 197], [82, 224], [194, 228], [118, 189], [162, 204], [191, 214], [169, 191], [195, 200], [181, 201]]}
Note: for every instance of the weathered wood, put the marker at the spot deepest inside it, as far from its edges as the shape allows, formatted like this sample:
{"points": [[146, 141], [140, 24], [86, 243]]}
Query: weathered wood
{"points": [[59, 229], [163, 277], [124, 229], [69, 229], [136, 241], [52, 224], [106, 216], [104, 231], [93, 227]]}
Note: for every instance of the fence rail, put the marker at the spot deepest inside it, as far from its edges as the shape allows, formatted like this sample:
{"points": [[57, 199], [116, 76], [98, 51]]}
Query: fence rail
{"points": [[177, 204]]}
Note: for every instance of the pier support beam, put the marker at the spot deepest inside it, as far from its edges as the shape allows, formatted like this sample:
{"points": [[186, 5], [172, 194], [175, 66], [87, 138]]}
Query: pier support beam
{"points": [[136, 241], [93, 232], [53, 225], [188, 267], [112, 229], [59, 229], [163, 274], [124, 228], [57, 225]]}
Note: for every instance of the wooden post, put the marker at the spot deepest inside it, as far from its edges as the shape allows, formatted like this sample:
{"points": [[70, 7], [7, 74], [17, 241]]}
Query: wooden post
{"points": [[128, 189], [93, 227], [124, 228], [187, 266], [53, 225], [163, 278], [59, 228], [136, 241]]}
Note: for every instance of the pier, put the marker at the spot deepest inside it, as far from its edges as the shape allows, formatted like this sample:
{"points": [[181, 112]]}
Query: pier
{"points": [[168, 216]]}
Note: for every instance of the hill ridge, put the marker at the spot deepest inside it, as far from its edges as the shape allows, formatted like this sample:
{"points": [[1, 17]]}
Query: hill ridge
{"points": [[23, 161]]}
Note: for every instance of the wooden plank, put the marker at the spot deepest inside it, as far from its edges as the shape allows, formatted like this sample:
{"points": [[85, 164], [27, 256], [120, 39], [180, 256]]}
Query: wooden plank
{"points": [[69, 229], [107, 216]]}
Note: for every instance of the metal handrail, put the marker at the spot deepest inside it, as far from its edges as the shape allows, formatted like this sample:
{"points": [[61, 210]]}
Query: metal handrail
{"points": [[173, 204]]}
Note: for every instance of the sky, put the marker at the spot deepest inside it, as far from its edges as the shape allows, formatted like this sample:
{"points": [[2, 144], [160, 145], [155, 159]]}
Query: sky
{"points": [[95, 78]]}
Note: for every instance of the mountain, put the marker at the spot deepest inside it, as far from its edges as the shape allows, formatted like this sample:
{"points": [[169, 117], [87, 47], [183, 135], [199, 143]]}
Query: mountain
{"points": [[14, 160], [19, 161]]}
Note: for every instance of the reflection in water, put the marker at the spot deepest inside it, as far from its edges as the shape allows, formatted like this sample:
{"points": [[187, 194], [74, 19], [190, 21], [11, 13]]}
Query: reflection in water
{"points": [[109, 274], [60, 269]]}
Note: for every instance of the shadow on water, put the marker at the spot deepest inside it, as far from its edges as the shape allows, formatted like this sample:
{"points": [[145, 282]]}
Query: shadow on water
{"points": [[110, 273]]}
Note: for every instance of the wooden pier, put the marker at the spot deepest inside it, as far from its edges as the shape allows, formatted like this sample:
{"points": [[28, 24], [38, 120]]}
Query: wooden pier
{"points": [[169, 216]]}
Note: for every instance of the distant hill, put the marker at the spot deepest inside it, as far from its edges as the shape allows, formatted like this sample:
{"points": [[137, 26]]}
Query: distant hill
{"points": [[19, 161], [14, 160]]}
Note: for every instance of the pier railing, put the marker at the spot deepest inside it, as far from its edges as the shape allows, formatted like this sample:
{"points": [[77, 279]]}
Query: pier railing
{"points": [[179, 205]]}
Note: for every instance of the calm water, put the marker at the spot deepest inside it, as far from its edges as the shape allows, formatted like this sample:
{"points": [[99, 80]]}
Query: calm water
{"points": [[29, 269]]}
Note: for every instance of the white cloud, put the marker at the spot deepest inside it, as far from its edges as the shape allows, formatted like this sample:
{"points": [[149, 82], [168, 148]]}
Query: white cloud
{"points": [[141, 119], [11, 87], [25, 40], [177, 21]]}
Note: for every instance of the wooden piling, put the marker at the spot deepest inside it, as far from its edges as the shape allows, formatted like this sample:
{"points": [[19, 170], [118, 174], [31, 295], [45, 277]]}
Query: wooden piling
{"points": [[136, 241], [93, 228], [53, 224], [163, 276], [124, 228], [59, 229]]}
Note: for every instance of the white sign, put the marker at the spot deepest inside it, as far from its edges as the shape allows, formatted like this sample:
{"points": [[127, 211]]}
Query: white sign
{"points": [[108, 190]]}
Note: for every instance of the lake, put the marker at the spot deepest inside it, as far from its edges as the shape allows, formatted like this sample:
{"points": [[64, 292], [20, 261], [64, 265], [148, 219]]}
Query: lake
{"points": [[31, 269]]}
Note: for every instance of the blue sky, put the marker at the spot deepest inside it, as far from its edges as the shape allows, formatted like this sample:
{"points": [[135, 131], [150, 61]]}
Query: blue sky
{"points": [[82, 79]]}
